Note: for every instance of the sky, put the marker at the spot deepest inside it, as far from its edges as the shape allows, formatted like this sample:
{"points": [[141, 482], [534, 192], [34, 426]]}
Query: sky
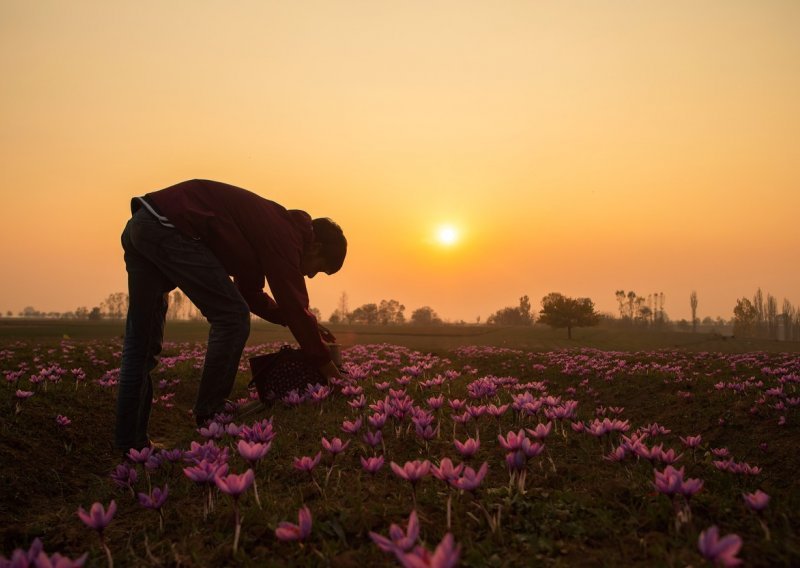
{"points": [[579, 147]]}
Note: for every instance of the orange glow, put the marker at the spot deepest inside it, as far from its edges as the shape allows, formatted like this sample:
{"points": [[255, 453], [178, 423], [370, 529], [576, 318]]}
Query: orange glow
{"points": [[648, 146]]}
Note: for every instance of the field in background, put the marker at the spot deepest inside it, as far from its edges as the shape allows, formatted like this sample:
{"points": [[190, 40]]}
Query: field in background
{"points": [[428, 339]]}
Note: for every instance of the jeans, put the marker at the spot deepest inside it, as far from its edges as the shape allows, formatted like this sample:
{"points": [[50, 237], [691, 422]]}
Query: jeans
{"points": [[159, 259]]}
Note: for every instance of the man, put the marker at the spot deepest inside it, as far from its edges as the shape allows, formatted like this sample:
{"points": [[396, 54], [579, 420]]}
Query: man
{"points": [[194, 236]]}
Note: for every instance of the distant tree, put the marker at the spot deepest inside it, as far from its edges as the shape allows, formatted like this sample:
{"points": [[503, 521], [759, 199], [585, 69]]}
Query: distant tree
{"points": [[521, 315], [772, 317], [368, 314], [95, 313], [745, 318], [693, 304], [759, 327], [175, 306], [560, 311], [425, 316], [316, 312], [82, 312], [9, 314], [115, 306], [708, 320], [391, 312], [683, 324]]}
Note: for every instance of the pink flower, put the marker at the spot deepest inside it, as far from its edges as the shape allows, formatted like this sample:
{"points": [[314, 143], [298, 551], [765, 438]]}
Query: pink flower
{"points": [[140, 456], [470, 480], [156, 499], [233, 484], [373, 439], [469, 448], [335, 446], [541, 431], [691, 441], [98, 517], [446, 555], [62, 420], [306, 463], [372, 464], [447, 471], [412, 471], [399, 540], [721, 551], [300, 531], [512, 441], [757, 501], [351, 427], [205, 472], [253, 451]]}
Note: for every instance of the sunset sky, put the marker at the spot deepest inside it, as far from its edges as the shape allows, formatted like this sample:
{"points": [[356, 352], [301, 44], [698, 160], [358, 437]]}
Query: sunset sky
{"points": [[573, 146]]}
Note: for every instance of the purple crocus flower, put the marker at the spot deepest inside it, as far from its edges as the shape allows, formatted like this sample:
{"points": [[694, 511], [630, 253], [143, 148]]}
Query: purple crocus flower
{"points": [[720, 551], [156, 499], [62, 420], [412, 471], [233, 484], [372, 464], [253, 451], [757, 501], [124, 475], [98, 517], [306, 463], [470, 480], [140, 456], [301, 531], [42, 560], [352, 427], [399, 540], [373, 439], [541, 431], [468, 448], [691, 441], [334, 446], [447, 471], [446, 555], [512, 441], [205, 472]]}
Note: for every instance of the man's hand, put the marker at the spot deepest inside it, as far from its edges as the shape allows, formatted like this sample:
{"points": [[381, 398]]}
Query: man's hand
{"points": [[330, 370], [326, 334]]}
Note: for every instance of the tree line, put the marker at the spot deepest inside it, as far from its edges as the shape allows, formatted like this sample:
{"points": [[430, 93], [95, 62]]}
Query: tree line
{"points": [[760, 316]]}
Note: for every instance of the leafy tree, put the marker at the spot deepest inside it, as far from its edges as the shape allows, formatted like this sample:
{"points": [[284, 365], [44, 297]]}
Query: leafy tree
{"points": [[693, 304], [560, 311], [368, 313], [316, 312], [95, 313], [520, 315], [425, 316], [116, 305], [745, 318], [391, 312], [175, 307]]}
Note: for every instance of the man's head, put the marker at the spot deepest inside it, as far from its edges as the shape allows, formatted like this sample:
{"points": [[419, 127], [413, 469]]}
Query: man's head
{"points": [[327, 251]]}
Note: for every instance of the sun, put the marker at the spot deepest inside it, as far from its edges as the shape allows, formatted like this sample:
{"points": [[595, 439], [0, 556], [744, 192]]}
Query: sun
{"points": [[447, 235]]}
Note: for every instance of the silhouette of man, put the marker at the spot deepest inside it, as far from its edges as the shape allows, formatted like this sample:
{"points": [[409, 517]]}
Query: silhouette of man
{"points": [[194, 236]]}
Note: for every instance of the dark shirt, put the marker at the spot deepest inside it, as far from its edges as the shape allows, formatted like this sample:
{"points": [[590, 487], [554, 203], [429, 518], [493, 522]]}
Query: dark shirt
{"points": [[254, 238]]}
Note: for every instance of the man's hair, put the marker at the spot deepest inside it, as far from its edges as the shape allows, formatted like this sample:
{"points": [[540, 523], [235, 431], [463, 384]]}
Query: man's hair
{"points": [[334, 245]]}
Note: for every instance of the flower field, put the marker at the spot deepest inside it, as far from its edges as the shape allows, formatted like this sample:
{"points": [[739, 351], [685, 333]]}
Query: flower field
{"points": [[473, 456]]}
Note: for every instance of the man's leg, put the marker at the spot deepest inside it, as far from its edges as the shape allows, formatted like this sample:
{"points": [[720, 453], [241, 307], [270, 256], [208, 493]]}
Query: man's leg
{"points": [[193, 268], [144, 330]]}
